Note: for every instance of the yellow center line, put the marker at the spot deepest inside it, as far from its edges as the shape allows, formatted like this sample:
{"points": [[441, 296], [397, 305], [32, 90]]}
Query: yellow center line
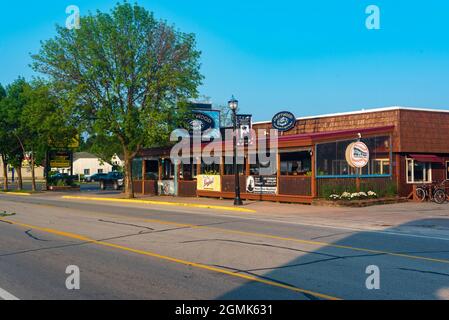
{"points": [[310, 242], [261, 235], [172, 259]]}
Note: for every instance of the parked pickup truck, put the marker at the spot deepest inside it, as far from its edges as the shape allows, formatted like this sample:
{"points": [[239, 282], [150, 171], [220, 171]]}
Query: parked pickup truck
{"points": [[112, 179]]}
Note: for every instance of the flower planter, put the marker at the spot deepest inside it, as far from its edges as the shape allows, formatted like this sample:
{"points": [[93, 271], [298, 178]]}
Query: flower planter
{"points": [[63, 188], [358, 203]]}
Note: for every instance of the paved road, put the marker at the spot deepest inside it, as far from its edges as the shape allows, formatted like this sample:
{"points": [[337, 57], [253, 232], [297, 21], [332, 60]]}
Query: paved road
{"points": [[127, 252]]}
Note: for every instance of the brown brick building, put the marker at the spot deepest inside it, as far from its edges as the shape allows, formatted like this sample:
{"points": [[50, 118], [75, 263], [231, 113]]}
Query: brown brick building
{"points": [[406, 146]]}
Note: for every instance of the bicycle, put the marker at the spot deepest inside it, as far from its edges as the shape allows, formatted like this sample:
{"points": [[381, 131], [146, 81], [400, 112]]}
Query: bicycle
{"points": [[433, 192]]}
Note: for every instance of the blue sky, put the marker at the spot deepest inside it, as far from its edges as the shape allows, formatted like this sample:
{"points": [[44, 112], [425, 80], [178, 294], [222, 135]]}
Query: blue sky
{"points": [[309, 57]]}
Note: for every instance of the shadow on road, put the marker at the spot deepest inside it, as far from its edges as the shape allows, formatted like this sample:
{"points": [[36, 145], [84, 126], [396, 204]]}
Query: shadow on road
{"points": [[411, 267]]}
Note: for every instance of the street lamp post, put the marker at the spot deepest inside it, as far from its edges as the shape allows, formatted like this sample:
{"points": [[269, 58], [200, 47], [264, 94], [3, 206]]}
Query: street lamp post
{"points": [[233, 105]]}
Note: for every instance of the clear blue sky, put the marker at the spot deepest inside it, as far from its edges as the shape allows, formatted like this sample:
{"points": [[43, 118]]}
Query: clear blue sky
{"points": [[309, 57]]}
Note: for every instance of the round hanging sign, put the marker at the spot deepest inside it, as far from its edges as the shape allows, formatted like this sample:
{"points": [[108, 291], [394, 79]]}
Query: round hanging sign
{"points": [[357, 154], [283, 121]]}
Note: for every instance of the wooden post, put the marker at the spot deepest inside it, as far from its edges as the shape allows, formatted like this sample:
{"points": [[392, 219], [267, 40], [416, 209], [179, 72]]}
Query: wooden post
{"points": [[197, 163], [398, 172], [222, 166], [313, 164], [278, 170], [222, 171], [198, 166], [357, 180], [144, 169], [159, 173]]}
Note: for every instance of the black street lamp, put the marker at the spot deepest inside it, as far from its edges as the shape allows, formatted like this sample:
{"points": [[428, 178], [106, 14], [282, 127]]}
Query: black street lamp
{"points": [[233, 105]]}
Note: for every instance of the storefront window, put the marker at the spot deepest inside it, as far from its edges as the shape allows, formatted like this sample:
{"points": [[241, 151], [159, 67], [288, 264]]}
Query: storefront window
{"points": [[212, 169], [419, 172], [295, 163], [168, 169], [137, 169], [262, 167], [331, 158], [229, 166], [189, 171], [152, 170]]}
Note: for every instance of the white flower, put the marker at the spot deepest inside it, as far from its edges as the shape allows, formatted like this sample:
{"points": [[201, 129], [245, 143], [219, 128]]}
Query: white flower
{"points": [[334, 196], [363, 194]]}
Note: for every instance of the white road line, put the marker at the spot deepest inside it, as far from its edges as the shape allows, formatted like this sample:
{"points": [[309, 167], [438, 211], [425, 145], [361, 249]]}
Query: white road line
{"points": [[5, 295]]}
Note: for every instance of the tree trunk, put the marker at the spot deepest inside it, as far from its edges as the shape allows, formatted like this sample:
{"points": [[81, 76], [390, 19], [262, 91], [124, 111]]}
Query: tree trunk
{"points": [[5, 174], [33, 175], [19, 178], [129, 187]]}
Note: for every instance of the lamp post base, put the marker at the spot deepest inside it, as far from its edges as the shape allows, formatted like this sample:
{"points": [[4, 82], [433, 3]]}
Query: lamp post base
{"points": [[238, 202]]}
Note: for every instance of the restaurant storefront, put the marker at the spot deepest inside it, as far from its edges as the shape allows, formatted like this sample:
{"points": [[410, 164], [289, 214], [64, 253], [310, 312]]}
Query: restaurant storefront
{"points": [[404, 147]]}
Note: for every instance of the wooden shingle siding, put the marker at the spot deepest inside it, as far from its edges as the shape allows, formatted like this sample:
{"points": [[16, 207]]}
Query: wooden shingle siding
{"points": [[424, 132], [345, 122]]}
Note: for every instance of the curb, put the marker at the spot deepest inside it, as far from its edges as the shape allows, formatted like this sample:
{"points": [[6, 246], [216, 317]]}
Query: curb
{"points": [[165, 203], [16, 193]]}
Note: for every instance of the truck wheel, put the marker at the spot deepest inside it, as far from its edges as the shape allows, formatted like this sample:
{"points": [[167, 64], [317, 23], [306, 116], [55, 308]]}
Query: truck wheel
{"points": [[115, 185], [102, 186]]}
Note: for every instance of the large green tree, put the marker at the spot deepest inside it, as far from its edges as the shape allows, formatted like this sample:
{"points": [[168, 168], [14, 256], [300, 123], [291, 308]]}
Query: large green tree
{"points": [[126, 74], [12, 132], [45, 122], [2, 143]]}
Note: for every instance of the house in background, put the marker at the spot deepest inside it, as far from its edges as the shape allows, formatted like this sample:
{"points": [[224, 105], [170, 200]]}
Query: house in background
{"points": [[26, 171], [85, 163], [117, 162]]}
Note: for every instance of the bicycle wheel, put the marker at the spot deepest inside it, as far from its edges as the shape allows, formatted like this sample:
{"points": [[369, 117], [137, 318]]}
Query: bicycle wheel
{"points": [[421, 194], [439, 196]]}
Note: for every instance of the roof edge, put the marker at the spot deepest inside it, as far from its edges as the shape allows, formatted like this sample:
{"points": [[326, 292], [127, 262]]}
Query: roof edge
{"points": [[362, 112]]}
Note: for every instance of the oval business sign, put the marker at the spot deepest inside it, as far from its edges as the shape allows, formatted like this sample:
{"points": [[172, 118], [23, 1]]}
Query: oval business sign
{"points": [[357, 154], [283, 121], [201, 121]]}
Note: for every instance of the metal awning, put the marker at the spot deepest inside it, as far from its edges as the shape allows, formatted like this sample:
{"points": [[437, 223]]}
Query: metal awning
{"points": [[427, 158]]}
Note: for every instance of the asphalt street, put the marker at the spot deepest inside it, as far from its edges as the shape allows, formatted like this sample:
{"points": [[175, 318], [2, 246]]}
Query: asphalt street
{"points": [[157, 252]]}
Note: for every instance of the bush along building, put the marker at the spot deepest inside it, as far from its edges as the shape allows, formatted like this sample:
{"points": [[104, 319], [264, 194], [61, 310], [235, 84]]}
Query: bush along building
{"points": [[388, 150]]}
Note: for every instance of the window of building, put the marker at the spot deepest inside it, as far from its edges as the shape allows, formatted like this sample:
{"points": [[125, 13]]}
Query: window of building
{"points": [[168, 170], [86, 172], [189, 171], [295, 163], [100, 170], [151, 169], [262, 168], [137, 169], [419, 172], [212, 169], [331, 158], [229, 166]]}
